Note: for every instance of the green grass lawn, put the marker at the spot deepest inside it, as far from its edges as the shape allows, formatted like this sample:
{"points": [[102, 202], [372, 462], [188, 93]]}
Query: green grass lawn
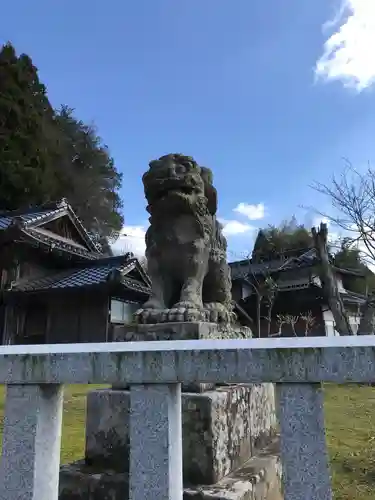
{"points": [[74, 417], [350, 423], [350, 420]]}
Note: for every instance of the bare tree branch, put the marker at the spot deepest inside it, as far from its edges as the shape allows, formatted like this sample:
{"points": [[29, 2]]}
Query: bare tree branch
{"points": [[352, 195]]}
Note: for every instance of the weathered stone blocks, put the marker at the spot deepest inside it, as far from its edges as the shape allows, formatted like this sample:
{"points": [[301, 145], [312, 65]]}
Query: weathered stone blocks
{"points": [[221, 429], [107, 429], [178, 331]]}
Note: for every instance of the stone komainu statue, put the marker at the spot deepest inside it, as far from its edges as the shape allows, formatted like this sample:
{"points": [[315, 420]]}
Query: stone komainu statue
{"points": [[185, 247]]}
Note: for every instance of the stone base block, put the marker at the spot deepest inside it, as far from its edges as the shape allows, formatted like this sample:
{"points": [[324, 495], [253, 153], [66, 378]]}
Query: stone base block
{"points": [[221, 429], [107, 429], [258, 479], [179, 331]]}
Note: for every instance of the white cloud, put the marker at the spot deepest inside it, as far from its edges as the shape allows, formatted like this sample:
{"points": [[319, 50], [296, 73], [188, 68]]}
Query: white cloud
{"points": [[252, 212], [131, 239], [347, 54], [234, 227]]}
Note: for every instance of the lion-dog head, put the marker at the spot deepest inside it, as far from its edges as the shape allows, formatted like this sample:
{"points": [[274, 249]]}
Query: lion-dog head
{"points": [[177, 182]]}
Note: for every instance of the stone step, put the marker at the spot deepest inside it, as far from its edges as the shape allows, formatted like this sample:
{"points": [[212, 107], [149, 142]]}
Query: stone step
{"points": [[258, 479], [81, 482]]}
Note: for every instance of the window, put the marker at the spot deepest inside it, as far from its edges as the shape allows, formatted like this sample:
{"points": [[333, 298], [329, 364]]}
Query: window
{"points": [[122, 312]]}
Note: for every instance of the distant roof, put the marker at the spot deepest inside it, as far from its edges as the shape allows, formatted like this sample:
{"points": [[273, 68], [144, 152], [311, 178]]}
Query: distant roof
{"points": [[95, 273], [353, 298], [244, 268], [351, 272], [28, 223]]}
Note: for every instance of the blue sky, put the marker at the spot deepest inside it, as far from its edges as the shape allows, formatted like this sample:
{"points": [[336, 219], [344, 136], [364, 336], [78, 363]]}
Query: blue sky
{"points": [[270, 94]]}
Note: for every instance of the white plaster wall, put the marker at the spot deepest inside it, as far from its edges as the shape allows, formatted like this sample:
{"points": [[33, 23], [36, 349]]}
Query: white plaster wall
{"points": [[316, 280], [340, 286], [246, 290], [329, 323]]}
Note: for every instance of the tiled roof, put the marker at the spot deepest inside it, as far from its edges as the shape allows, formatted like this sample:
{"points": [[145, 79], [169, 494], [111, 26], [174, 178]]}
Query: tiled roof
{"points": [[27, 218], [245, 268], [33, 217], [91, 275]]}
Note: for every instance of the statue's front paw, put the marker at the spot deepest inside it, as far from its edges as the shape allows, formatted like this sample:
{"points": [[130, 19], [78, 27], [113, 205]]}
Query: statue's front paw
{"points": [[186, 311], [141, 316], [218, 313], [148, 316]]}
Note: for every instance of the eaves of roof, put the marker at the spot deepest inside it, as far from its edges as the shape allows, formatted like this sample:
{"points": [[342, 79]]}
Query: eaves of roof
{"points": [[35, 237], [103, 272]]}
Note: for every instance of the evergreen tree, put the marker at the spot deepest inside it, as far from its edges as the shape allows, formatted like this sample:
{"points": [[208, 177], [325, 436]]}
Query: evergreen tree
{"points": [[275, 241], [87, 175], [27, 176], [46, 155]]}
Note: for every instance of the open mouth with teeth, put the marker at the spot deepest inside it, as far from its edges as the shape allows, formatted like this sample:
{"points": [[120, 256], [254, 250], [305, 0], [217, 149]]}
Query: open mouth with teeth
{"points": [[165, 189], [187, 190]]}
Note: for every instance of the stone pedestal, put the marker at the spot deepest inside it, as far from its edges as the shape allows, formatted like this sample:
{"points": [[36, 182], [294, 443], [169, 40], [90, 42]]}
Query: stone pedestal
{"points": [[221, 429], [225, 433], [178, 331]]}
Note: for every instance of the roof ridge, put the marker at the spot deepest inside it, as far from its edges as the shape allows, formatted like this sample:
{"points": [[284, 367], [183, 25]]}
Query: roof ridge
{"points": [[49, 205], [26, 211], [128, 257]]}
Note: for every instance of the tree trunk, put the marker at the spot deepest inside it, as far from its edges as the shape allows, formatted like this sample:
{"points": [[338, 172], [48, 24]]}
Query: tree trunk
{"points": [[330, 289]]}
